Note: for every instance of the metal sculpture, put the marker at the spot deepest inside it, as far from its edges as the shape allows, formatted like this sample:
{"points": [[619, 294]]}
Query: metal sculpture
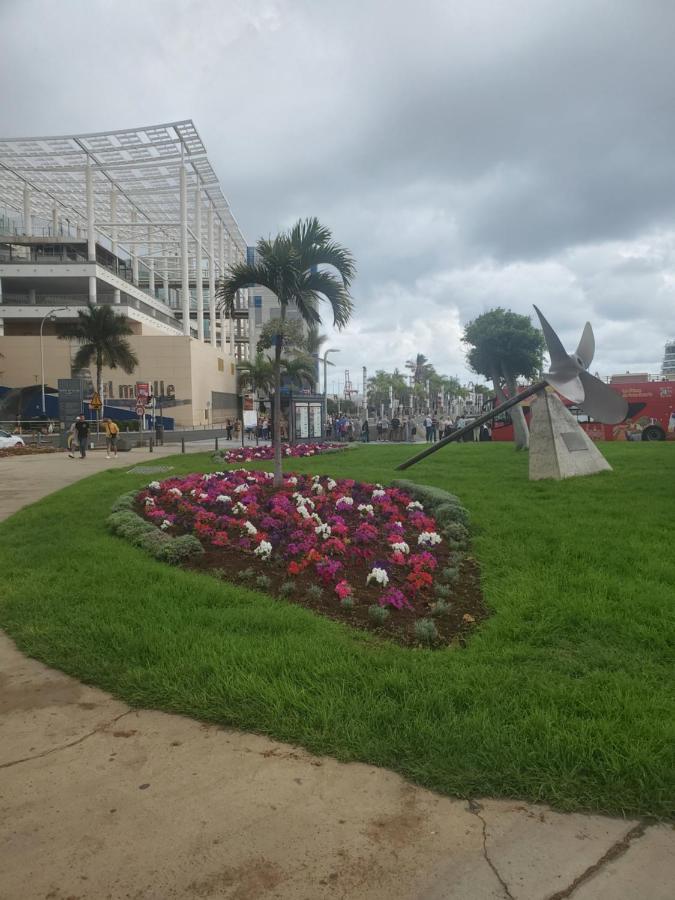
{"points": [[568, 375]]}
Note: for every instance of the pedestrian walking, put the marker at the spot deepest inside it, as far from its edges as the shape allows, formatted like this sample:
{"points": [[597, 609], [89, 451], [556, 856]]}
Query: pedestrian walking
{"points": [[82, 432], [428, 427], [365, 432], [111, 432], [228, 429]]}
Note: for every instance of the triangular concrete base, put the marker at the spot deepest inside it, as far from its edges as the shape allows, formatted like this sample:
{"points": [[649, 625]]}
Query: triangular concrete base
{"points": [[559, 447]]}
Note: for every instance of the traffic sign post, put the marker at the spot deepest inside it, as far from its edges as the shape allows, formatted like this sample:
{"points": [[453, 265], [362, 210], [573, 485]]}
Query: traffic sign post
{"points": [[95, 402]]}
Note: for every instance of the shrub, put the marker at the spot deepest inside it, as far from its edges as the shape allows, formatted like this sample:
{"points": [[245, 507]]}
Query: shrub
{"points": [[456, 531], [440, 607], [378, 614], [314, 592], [154, 542], [125, 502], [426, 631], [287, 588], [442, 590], [264, 582], [450, 575], [347, 602], [245, 575], [180, 549], [219, 573]]}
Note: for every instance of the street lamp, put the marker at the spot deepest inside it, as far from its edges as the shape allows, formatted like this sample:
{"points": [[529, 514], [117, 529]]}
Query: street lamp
{"points": [[325, 386], [52, 318]]}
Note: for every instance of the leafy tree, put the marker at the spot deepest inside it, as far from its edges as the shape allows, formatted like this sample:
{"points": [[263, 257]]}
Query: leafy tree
{"points": [[256, 375], [101, 334], [299, 371], [292, 266], [505, 346], [385, 386], [420, 368]]}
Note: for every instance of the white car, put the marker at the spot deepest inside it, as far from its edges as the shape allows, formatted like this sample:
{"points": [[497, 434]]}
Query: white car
{"points": [[10, 440]]}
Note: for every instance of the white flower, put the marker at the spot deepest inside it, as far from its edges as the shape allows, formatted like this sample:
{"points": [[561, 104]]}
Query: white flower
{"points": [[302, 501], [365, 509], [203, 496], [239, 508], [287, 451], [176, 492], [250, 528], [323, 530], [241, 489], [149, 501], [317, 488], [223, 498], [263, 550], [401, 546], [378, 575], [344, 501], [165, 524], [208, 477], [379, 493], [429, 538], [291, 480], [379, 487], [154, 485], [414, 505], [303, 512], [331, 485]]}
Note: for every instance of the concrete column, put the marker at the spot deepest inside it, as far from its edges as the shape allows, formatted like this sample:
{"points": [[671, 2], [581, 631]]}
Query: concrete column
{"points": [[212, 279], [151, 265], [223, 344], [232, 336], [91, 237], [113, 221], [92, 289], [165, 272], [27, 213], [117, 297], [134, 253], [185, 274], [32, 296], [221, 264], [199, 282], [55, 221], [251, 324]]}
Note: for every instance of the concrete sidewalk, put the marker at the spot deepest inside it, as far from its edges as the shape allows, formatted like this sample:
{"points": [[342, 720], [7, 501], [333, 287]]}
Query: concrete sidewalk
{"points": [[100, 802]]}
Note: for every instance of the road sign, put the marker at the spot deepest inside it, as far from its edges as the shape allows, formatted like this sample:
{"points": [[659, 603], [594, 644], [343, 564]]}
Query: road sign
{"points": [[95, 402], [140, 410]]}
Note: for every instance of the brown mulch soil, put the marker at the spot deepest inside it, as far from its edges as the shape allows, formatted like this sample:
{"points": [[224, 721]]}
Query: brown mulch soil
{"points": [[466, 604], [26, 451]]}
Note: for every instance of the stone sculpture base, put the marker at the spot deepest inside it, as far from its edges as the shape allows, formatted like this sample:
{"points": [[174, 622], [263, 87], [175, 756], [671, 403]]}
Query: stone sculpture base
{"points": [[559, 447]]}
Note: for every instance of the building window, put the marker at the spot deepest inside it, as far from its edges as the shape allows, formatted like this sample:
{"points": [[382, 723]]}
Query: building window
{"points": [[221, 365], [257, 305]]}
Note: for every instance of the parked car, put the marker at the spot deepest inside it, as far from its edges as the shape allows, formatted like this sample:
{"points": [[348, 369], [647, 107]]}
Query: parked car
{"points": [[10, 440]]}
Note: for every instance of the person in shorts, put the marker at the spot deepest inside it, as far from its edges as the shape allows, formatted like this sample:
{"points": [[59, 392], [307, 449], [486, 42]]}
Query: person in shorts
{"points": [[111, 432]]}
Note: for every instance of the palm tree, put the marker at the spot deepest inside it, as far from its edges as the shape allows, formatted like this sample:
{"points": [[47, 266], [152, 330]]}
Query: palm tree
{"points": [[312, 344], [288, 265], [102, 338], [256, 375], [300, 370]]}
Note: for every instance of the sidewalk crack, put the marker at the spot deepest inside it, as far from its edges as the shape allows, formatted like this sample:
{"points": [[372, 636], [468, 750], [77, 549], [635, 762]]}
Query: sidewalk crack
{"points": [[475, 808], [15, 762], [617, 849]]}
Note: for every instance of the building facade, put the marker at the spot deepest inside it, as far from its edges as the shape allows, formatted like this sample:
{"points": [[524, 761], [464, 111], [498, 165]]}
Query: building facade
{"points": [[137, 220]]}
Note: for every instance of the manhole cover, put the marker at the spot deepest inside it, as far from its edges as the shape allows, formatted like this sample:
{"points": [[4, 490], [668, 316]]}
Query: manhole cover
{"points": [[148, 470]]}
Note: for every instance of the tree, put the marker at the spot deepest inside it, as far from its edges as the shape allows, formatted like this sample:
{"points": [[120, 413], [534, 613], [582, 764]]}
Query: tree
{"points": [[291, 265], [312, 345], [384, 387], [102, 338], [299, 371], [505, 346], [256, 375]]}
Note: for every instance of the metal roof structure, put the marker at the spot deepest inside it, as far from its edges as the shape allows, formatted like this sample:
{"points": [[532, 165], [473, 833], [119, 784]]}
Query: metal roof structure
{"points": [[141, 167]]}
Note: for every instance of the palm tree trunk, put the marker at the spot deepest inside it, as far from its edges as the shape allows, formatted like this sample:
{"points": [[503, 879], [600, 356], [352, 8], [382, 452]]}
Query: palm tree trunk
{"points": [[278, 475]]}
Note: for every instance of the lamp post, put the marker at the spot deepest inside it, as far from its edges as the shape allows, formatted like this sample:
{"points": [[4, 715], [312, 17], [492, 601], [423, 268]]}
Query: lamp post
{"points": [[48, 315], [325, 385]]}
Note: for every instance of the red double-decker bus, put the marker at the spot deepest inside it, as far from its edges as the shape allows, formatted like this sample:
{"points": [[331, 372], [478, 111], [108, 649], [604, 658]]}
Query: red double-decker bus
{"points": [[651, 412]]}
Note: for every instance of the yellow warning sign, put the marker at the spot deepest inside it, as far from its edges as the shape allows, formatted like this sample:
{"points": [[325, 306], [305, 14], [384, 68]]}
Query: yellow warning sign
{"points": [[95, 402]]}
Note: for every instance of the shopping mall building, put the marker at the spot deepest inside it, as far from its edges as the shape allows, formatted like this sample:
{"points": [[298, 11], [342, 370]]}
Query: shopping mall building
{"points": [[137, 220]]}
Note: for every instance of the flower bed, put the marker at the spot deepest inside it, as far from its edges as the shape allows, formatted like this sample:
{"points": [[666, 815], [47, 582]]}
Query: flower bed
{"points": [[370, 555], [250, 454]]}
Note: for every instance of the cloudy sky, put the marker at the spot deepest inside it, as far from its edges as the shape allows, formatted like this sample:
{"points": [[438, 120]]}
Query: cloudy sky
{"points": [[470, 154]]}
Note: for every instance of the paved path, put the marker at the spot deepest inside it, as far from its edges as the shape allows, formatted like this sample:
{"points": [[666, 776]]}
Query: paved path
{"points": [[100, 802]]}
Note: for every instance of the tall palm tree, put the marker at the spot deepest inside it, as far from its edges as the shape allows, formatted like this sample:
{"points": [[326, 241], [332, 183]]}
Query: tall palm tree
{"points": [[256, 375], [289, 266], [102, 338], [312, 344], [300, 370]]}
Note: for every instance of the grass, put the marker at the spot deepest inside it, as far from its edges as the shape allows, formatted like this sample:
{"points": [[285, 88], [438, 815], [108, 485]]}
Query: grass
{"points": [[565, 695]]}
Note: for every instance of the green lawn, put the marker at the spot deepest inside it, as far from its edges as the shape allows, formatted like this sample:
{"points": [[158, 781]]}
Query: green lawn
{"points": [[565, 695]]}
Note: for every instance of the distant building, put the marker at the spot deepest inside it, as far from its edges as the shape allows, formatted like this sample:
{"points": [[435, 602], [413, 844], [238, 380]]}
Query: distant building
{"points": [[668, 366], [137, 220]]}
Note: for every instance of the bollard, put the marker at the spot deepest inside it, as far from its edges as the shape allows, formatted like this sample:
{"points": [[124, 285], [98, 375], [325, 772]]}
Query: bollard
{"points": [[182, 445], [152, 445], [216, 445]]}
